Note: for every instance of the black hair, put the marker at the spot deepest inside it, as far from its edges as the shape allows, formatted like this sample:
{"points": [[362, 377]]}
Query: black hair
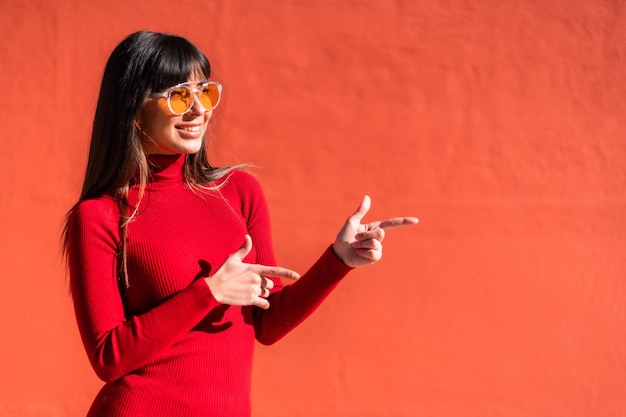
{"points": [[144, 62]]}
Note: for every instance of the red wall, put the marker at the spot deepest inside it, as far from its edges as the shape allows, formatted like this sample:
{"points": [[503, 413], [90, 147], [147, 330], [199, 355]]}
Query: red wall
{"points": [[499, 124]]}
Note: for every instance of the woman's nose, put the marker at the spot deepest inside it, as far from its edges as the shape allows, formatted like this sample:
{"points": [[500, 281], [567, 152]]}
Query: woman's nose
{"points": [[197, 107]]}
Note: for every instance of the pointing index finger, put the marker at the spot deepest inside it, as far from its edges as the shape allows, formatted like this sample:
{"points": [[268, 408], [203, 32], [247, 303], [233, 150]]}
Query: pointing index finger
{"points": [[397, 222], [277, 271]]}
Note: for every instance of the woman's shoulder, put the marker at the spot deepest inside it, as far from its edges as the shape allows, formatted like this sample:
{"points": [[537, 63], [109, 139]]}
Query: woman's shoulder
{"points": [[243, 190], [242, 181], [103, 209], [103, 202], [94, 220]]}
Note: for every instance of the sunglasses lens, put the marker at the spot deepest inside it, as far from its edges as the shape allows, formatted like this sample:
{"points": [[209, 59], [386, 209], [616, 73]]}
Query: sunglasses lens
{"points": [[181, 100], [209, 96]]}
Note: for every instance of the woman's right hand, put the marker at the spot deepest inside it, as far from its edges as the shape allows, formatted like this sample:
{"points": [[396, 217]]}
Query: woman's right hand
{"points": [[241, 284]]}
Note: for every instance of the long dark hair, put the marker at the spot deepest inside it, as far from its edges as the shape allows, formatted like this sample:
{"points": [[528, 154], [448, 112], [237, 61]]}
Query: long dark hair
{"points": [[143, 63]]}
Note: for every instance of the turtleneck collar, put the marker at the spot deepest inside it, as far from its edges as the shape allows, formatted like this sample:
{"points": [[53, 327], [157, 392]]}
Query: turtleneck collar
{"points": [[166, 168]]}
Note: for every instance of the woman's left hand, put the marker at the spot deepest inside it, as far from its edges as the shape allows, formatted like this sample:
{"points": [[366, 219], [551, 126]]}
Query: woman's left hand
{"points": [[361, 244]]}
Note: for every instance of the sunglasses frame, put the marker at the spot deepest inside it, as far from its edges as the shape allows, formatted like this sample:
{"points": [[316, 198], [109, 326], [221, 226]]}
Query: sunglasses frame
{"points": [[194, 91]]}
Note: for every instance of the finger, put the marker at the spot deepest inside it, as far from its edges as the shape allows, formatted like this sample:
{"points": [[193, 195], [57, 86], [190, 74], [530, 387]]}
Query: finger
{"points": [[370, 254], [276, 271], [397, 222], [244, 250], [363, 209], [261, 302], [267, 283], [377, 233], [368, 244]]}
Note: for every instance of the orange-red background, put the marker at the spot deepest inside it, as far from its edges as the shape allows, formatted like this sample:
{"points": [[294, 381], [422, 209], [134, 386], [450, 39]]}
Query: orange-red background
{"points": [[500, 124]]}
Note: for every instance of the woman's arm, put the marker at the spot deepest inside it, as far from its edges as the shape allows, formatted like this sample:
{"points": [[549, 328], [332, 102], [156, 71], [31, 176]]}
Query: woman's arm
{"points": [[356, 245], [117, 346]]}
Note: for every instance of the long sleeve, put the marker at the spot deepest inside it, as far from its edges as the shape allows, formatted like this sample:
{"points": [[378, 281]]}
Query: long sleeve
{"points": [[291, 304], [117, 346], [294, 303], [168, 347]]}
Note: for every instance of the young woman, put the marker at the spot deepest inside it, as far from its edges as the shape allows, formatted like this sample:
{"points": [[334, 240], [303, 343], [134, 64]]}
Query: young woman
{"points": [[171, 259]]}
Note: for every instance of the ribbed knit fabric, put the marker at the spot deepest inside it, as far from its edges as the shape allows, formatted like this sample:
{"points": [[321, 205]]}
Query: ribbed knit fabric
{"points": [[171, 349]]}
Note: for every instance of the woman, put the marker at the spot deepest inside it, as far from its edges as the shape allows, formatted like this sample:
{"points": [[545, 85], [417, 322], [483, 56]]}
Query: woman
{"points": [[169, 257]]}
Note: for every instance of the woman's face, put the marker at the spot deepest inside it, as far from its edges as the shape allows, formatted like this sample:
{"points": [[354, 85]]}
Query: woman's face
{"points": [[165, 133]]}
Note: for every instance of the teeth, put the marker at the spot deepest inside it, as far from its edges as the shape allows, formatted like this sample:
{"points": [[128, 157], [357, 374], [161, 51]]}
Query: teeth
{"points": [[191, 128]]}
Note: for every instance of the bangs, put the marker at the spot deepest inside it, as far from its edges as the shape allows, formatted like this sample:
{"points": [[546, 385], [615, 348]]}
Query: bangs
{"points": [[177, 61]]}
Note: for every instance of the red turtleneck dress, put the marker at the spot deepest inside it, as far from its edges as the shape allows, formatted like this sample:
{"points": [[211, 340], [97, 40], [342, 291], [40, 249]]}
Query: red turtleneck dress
{"points": [[170, 349]]}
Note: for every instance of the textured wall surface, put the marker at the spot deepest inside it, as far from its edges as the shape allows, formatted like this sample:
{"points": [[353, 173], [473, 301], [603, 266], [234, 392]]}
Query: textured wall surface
{"points": [[500, 124]]}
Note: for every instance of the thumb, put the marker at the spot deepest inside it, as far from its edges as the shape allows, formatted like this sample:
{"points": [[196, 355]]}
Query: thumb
{"points": [[363, 209], [244, 250]]}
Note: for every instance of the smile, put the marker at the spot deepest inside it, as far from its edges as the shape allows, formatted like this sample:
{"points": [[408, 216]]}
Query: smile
{"points": [[197, 128]]}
